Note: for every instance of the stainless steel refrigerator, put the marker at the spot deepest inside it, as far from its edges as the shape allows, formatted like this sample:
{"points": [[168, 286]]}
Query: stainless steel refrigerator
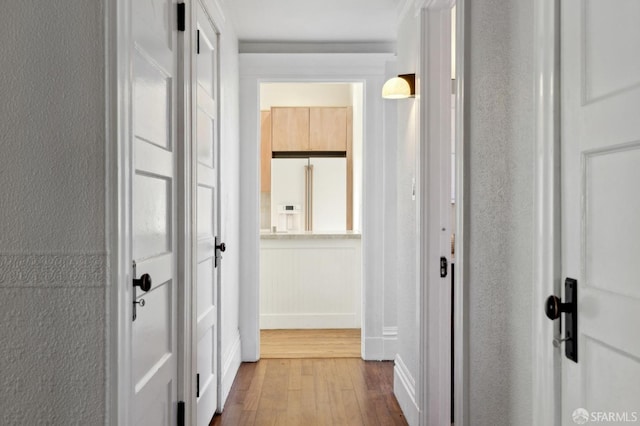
{"points": [[309, 194]]}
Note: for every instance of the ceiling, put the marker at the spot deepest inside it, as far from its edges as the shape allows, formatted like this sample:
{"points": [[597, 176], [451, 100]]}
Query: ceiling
{"points": [[314, 20]]}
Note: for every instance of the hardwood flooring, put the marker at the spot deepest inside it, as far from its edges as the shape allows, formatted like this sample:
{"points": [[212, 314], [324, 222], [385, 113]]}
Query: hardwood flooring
{"points": [[334, 343], [308, 392]]}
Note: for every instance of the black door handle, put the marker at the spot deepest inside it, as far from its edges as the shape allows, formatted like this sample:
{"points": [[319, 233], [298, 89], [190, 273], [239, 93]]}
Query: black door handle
{"points": [[144, 282], [220, 247], [554, 307]]}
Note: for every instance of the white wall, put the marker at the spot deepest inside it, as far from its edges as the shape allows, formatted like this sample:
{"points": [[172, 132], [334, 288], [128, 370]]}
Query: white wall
{"points": [[53, 269], [407, 243], [367, 68], [229, 205], [304, 94], [499, 156]]}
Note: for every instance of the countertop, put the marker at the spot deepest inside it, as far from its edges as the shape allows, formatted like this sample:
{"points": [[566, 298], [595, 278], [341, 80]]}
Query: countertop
{"points": [[302, 235]]}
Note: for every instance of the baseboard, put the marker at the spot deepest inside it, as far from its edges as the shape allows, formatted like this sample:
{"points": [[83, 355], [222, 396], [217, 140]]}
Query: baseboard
{"points": [[288, 321], [230, 365], [390, 343], [381, 348], [404, 388]]}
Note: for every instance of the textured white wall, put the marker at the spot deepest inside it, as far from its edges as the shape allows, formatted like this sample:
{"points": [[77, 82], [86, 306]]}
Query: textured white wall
{"points": [[406, 213], [52, 203], [500, 153], [230, 207]]}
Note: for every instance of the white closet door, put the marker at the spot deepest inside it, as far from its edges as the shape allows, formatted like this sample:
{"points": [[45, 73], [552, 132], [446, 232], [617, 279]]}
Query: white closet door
{"points": [[600, 207], [153, 193], [207, 135]]}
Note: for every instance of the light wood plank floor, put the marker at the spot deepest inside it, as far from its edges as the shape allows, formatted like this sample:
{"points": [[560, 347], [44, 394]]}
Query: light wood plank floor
{"points": [[334, 343], [308, 392]]}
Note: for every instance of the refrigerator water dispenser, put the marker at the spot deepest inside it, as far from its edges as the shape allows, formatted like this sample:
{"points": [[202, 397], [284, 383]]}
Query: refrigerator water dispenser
{"points": [[289, 218]]}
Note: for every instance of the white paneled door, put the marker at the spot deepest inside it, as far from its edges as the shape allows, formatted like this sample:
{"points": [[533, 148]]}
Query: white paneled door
{"points": [[154, 213], [600, 137], [206, 135]]}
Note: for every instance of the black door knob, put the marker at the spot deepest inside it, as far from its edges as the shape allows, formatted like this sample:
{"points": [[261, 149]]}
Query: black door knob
{"points": [[222, 247], [144, 282], [554, 307]]}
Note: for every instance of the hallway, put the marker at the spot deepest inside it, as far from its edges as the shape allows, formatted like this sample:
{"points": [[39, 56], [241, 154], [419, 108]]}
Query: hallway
{"points": [[345, 391]]}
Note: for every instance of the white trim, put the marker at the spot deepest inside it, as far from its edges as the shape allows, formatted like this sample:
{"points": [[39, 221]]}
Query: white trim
{"points": [[389, 343], [434, 189], [122, 247], [404, 388], [346, 68], [390, 332], [460, 302], [189, 244], [546, 249], [231, 364]]}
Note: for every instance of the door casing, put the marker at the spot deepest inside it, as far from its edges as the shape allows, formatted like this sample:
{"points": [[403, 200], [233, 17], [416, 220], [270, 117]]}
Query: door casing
{"points": [[547, 272]]}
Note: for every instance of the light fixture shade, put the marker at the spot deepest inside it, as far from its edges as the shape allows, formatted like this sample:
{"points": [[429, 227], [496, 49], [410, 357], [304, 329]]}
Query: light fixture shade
{"points": [[396, 88]]}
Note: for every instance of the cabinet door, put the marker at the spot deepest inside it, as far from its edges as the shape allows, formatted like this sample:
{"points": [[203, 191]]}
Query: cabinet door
{"points": [[328, 128], [289, 129], [265, 151]]}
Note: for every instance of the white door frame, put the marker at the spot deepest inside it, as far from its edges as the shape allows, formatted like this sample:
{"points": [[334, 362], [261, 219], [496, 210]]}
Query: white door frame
{"points": [[119, 177], [547, 263], [344, 68], [460, 301], [435, 222]]}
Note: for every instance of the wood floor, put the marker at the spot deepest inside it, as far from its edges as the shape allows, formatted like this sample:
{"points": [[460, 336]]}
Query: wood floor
{"points": [[307, 392], [334, 343]]}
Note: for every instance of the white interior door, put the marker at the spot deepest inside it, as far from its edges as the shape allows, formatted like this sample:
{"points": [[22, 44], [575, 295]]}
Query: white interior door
{"points": [[600, 134], [154, 351], [207, 134]]}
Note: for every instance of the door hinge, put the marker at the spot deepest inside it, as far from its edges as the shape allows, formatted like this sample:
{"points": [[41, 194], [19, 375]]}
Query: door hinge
{"points": [[197, 385], [197, 42], [181, 413], [443, 267], [181, 17]]}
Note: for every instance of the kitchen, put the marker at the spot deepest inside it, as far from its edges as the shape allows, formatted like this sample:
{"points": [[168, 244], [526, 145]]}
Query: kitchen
{"points": [[310, 207]]}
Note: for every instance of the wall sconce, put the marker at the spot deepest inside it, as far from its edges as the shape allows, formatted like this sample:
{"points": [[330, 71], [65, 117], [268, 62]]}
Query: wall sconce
{"points": [[400, 87]]}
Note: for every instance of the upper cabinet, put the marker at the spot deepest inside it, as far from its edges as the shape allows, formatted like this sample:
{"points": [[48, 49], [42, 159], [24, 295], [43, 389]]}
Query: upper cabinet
{"points": [[306, 129], [265, 151], [289, 129], [328, 129]]}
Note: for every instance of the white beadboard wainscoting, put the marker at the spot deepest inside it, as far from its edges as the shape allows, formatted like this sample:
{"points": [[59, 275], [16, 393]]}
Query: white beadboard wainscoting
{"points": [[311, 281]]}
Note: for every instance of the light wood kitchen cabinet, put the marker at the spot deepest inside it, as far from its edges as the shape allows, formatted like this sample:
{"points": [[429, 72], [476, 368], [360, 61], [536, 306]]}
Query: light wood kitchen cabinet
{"points": [[328, 128], [265, 151], [290, 129]]}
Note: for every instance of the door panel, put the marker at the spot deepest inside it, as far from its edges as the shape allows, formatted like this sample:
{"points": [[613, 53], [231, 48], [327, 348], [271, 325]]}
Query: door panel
{"points": [[154, 351], [600, 153], [207, 220]]}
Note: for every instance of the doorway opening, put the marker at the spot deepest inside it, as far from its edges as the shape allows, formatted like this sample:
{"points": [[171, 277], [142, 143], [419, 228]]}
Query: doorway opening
{"points": [[310, 285]]}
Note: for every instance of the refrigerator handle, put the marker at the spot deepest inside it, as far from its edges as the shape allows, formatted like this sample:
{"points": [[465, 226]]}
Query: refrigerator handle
{"points": [[310, 196], [306, 198]]}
